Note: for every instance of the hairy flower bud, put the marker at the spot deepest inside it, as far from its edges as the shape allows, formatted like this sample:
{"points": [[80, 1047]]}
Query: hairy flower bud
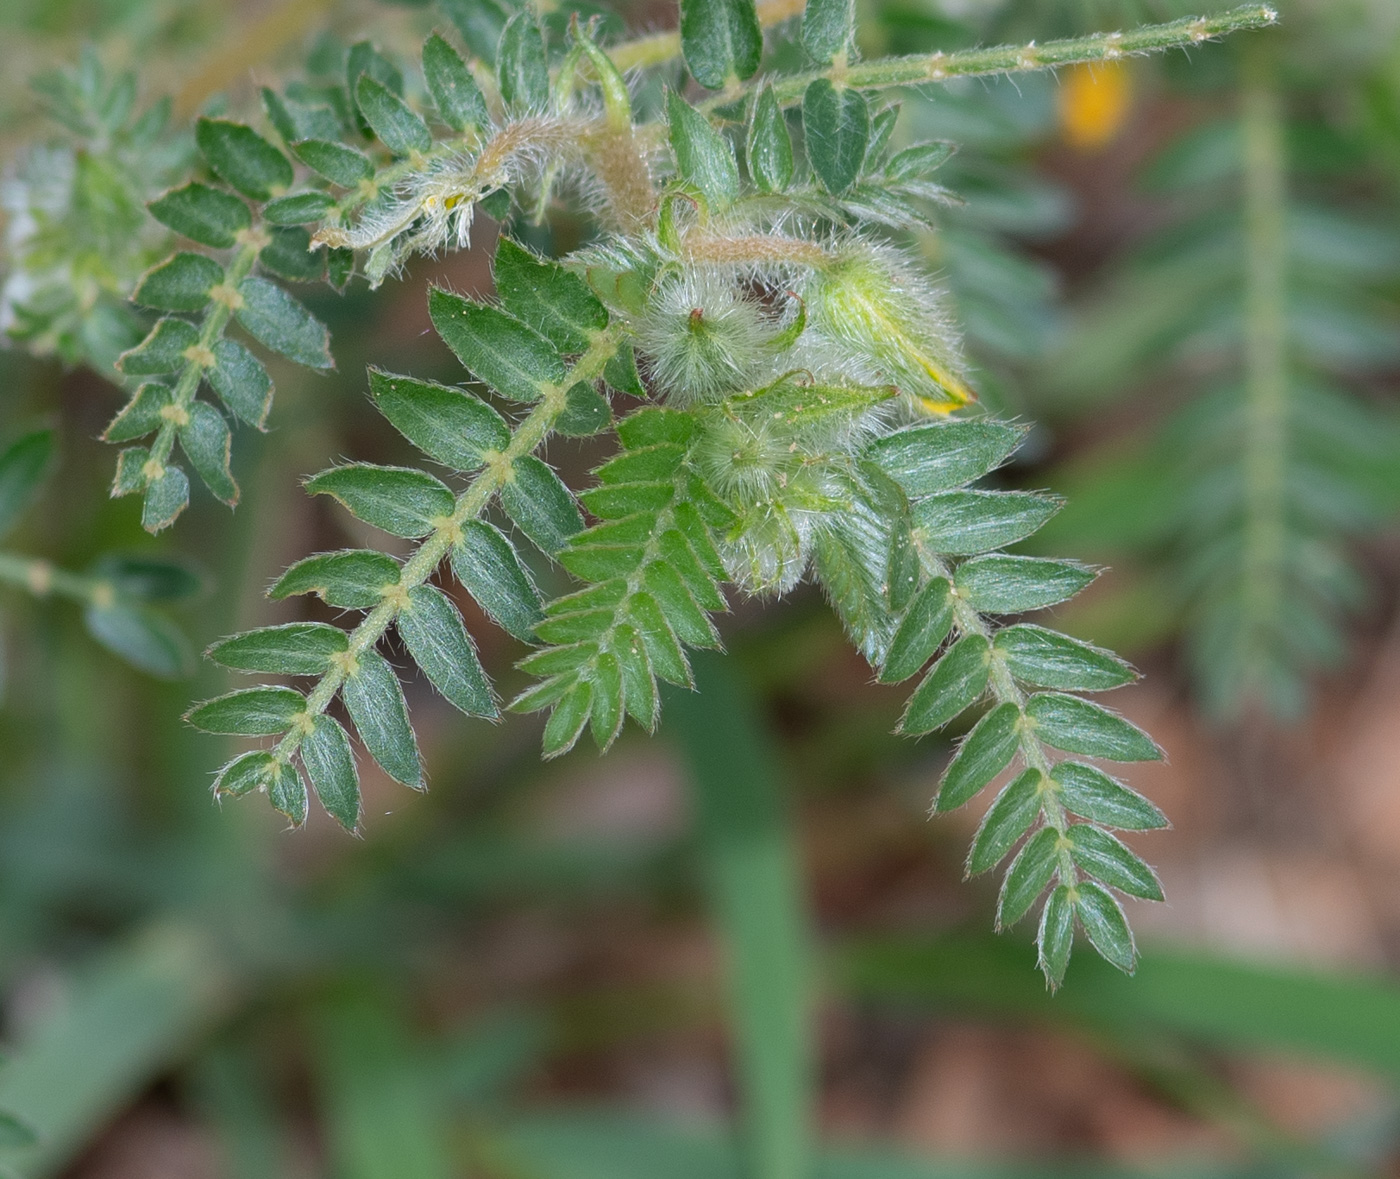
{"points": [[701, 339]]}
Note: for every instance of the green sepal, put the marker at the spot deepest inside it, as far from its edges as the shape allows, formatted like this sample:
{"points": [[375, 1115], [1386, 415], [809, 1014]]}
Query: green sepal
{"points": [[278, 321], [249, 712], [243, 158], [294, 648], [355, 579], [203, 214], [374, 698], [1006, 820], [325, 752], [952, 686], [487, 565], [162, 351], [180, 283], [497, 348], [433, 632], [1077, 726], [402, 500], [454, 428], [983, 754]]}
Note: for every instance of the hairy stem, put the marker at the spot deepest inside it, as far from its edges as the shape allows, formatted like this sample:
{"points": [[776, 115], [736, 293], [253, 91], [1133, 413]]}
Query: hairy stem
{"points": [[531, 432], [1006, 59], [1265, 359]]}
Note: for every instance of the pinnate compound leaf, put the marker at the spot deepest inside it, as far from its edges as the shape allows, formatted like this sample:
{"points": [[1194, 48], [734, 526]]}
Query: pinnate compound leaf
{"points": [[1006, 820], [497, 348], [399, 128], [720, 39], [436, 637], [965, 522], [1028, 875], [255, 770], [24, 464], [325, 752], [548, 298], [1077, 726], [243, 158], [278, 321], [702, 156], [180, 283], [486, 564], [836, 127], [539, 504], [769, 144], [951, 687], [1107, 929], [940, 457], [1049, 659], [828, 28], [145, 639], [337, 163], [1001, 584], [203, 214], [287, 794], [448, 425], [1108, 859], [249, 712], [206, 441], [1056, 936], [241, 382], [522, 68], [374, 699], [1091, 794], [352, 578], [924, 626], [983, 754], [167, 495], [458, 98], [401, 500], [297, 208], [163, 351], [294, 648]]}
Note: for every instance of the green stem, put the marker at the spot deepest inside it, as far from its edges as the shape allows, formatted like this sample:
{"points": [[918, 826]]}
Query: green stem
{"points": [[1006, 59], [1265, 358], [38, 577], [425, 560]]}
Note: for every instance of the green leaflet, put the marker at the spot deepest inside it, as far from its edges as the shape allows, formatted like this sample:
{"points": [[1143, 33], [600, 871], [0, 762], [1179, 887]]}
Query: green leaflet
{"points": [[1107, 929], [941, 456], [983, 754], [167, 496], [241, 382], [180, 283], [325, 752], [952, 686], [297, 209], [401, 500], [247, 772], [586, 412], [1001, 584], [395, 123], [287, 794], [206, 440], [522, 70], [1093, 795], [251, 712], [294, 648], [374, 699], [720, 39], [1027, 877], [458, 98], [145, 639], [769, 144], [435, 636], [203, 214], [130, 476], [448, 425], [1056, 936], [1077, 726], [1108, 859], [964, 522], [828, 28], [352, 578], [279, 322], [243, 158], [1006, 820], [545, 296], [288, 255], [163, 351], [337, 163], [486, 564], [917, 161], [922, 629], [836, 127], [24, 464], [702, 156], [511, 357], [539, 504], [1049, 659]]}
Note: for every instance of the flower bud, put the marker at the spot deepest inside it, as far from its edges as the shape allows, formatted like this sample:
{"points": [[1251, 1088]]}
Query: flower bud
{"points": [[701, 339]]}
